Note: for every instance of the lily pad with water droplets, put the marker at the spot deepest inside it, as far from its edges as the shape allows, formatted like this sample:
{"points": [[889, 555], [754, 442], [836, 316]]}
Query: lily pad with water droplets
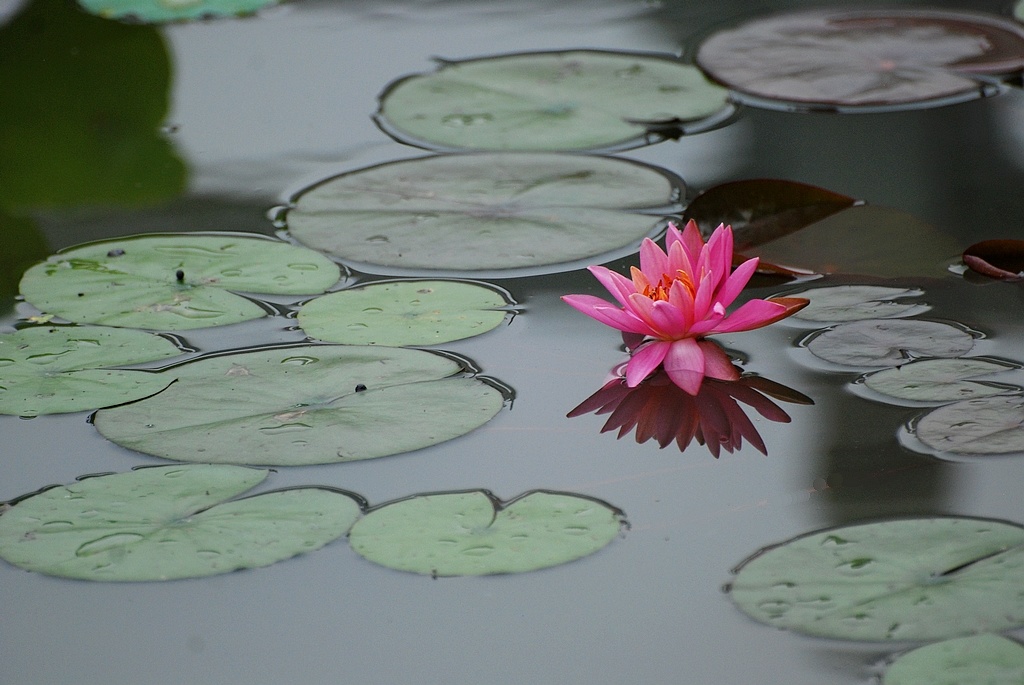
{"points": [[985, 425], [976, 660], [841, 303], [939, 380], [472, 534], [888, 342], [159, 11], [310, 404], [164, 523], [908, 579], [59, 369], [481, 212], [400, 313], [575, 100], [173, 282]]}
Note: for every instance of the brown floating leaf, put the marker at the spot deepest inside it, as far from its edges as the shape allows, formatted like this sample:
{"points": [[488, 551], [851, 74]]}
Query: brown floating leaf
{"points": [[1002, 259]]}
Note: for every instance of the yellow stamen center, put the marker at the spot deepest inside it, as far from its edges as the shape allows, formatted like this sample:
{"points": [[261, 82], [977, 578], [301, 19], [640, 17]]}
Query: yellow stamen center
{"points": [[661, 289]]}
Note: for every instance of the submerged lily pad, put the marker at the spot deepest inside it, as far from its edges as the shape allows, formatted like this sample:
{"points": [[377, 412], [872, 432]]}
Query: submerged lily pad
{"points": [[163, 523], [173, 282], [975, 660], [841, 303], [938, 380], [157, 11], [484, 211], [57, 369], [400, 313], [575, 100], [888, 342], [849, 59], [986, 425], [909, 579], [473, 534], [310, 404]]}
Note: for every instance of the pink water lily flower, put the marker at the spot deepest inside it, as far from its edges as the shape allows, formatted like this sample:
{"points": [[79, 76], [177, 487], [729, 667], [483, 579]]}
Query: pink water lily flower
{"points": [[675, 299]]}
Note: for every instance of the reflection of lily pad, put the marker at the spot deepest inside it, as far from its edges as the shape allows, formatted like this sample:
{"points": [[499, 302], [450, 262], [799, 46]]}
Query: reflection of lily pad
{"points": [[173, 282], [577, 100], [23, 245], [986, 425], [911, 579], [841, 303], [938, 380], [485, 211], [313, 404], [888, 342], [56, 369], [975, 660], [169, 522], [154, 11], [402, 313], [857, 58], [472, 534]]}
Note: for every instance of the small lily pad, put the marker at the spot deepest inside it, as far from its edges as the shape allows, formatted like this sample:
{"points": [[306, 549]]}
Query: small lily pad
{"points": [[58, 369], [400, 313], [310, 404], [159, 11], [548, 101], [939, 380], [907, 579], [173, 282], [481, 212], [473, 534], [163, 523], [986, 425], [841, 303], [976, 660], [888, 342]]}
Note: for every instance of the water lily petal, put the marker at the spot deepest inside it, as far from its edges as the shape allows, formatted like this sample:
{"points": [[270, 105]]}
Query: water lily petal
{"points": [[653, 261], [735, 284], [680, 297], [755, 314], [645, 360], [679, 260], [618, 285], [716, 258], [670, 320], [608, 314], [692, 241], [643, 308], [717, 363], [702, 300], [684, 364]]}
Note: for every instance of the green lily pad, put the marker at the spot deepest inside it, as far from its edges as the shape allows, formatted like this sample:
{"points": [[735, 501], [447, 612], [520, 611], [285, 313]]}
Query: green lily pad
{"points": [[575, 100], [473, 534], [163, 523], [975, 660], [310, 404], [158, 11], [888, 342], [400, 313], [939, 380], [173, 282], [484, 211], [58, 369], [908, 579], [986, 425], [841, 303]]}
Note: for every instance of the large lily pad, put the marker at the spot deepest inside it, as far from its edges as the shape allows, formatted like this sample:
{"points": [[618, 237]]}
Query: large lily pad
{"points": [[473, 534], [910, 579], [310, 404], [986, 425], [939, 380], [576, 100], [888, 342], [976, 660], [850, 59], [173, 282], [483, 212], [158, 11], [841, 303], [58, 369], [162, 523]]}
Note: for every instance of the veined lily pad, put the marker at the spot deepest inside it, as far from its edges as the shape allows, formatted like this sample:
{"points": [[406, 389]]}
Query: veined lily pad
{"points": [[173, 282], [910, 579], [938, 380], [163, 523], [57, 369], [473, 534], [986, 425], [575, 100], [975, 660], [400, 313], [841, 303], [157, 11], [484, 211], [311, 404], [888, 342]]}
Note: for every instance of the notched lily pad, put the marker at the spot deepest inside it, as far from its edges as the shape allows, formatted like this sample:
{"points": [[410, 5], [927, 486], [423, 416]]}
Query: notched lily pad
{"points": [[908, 579], [159, 11], [473, 534], [59, 369], [976, 660], [939, 380], [400, 313], [549, 101], [1002, 259], [888, 342], [309, 404], [842, 303], [169, 522], [982, 426], [173, 282], [482, 212]]}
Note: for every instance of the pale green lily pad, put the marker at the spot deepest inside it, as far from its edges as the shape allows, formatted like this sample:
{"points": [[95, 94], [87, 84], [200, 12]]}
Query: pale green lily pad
{"points": [[975, 660], [173, 282], [483, 212], [59, 369], [158, 11], [888, 342], [842, 303], [473, 534], [939, 380], [575, 100], [400, 313], [310, 404], [986, 425], [163, 523], [909, 579]]}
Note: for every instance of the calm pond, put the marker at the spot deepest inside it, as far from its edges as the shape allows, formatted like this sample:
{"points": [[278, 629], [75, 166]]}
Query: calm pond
{"points": [[260, 108]]}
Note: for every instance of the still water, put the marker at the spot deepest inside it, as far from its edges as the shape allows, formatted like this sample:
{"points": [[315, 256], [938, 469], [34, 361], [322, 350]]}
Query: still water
{"points": [[263, 107]]}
